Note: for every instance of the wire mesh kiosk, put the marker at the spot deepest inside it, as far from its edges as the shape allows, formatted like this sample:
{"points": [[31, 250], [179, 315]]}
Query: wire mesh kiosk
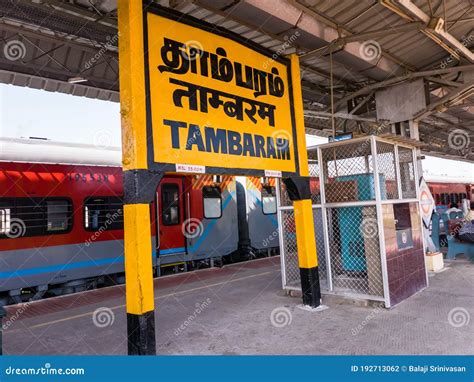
{"points": [[367, 220]]}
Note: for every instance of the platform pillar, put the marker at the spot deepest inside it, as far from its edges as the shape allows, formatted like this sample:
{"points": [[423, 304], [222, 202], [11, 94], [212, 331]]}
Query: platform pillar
{"points": [[139, 187], [139, 280], [299, 192]]}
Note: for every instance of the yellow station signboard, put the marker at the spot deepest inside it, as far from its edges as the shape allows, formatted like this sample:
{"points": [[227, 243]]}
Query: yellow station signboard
{"points": [[215, 103]]}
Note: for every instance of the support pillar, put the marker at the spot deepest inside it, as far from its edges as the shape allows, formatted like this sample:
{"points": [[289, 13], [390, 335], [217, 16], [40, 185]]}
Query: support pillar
{"points": [[415, 134], [139, 190], [299, 192], [139, 280], [139, 183]]}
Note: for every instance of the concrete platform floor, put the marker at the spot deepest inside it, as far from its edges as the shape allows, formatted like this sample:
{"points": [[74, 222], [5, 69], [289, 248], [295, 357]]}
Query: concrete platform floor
{"points": [[229, 311]]}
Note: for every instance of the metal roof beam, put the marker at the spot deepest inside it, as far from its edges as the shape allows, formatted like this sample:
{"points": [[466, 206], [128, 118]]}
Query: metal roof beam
{"points": [[310, 23], [352, 117], [435, 29], [229, 16], [443, 103], [354, 49], [339, 42], [442, 81], [41, 16], [392, 81]]}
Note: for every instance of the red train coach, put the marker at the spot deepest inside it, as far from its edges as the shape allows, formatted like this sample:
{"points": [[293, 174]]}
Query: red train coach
{"points": [[61, 225], [450, 190]]}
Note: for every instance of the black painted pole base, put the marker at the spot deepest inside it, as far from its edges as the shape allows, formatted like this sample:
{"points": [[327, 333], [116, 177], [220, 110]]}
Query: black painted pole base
{"points": [[141, 334], [310, 287]]}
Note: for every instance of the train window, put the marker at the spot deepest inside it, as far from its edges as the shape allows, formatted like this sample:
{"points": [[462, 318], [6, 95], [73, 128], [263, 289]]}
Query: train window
{"points": [[445, 199], [453, 198], [269, 204], [170, 204], [212, 202], [58, 215], [103, 213], [22, 217], [4, 221]]}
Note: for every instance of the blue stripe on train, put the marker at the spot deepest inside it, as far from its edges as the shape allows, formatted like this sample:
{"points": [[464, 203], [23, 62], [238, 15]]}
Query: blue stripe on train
{"points": [[172, 250], [61, 267]]}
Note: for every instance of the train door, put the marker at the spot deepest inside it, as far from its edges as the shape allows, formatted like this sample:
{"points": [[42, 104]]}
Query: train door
{"points": [[170, 211]]}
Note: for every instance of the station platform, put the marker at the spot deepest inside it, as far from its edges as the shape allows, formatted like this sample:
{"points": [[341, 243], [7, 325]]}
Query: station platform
{"points": [[241, 309]]}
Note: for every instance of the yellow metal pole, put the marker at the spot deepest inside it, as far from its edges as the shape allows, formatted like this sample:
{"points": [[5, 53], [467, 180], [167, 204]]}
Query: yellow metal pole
{"points": [[137, 235], [299, 191]]}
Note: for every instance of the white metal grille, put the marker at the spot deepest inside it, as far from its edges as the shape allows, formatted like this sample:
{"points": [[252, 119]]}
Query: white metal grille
{"points": [[291, 276], [387, 170], [320, 246], [347, 171], [314, 174], [292, 273], [407, 173], [355, 250]]}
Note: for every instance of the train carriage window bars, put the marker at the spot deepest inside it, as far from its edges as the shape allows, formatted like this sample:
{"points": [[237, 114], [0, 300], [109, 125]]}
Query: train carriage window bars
{"points": [[25, 217], [170, 204], [103, 213]]}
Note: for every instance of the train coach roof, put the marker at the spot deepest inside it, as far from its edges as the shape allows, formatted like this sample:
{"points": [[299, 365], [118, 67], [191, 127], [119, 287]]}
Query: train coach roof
{"points": [[433, 178], [45, 151]]}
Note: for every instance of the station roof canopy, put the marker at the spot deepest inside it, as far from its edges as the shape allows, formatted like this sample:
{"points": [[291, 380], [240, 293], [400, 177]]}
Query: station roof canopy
{"points": [[349, 51]]}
